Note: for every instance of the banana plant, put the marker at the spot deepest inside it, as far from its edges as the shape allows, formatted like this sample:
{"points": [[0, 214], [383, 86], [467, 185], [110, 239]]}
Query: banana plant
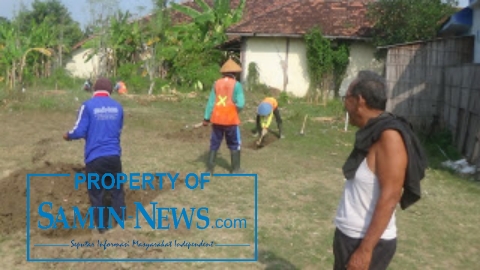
{"points": [[43, 35], [43, 51], [2, 65], [14, 53], [212, 21], [195, 42], [122, 43], [10, 54]]}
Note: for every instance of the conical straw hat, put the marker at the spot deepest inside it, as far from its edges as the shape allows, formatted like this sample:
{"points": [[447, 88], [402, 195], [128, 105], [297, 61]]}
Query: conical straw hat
{"points": [[230, 66]]}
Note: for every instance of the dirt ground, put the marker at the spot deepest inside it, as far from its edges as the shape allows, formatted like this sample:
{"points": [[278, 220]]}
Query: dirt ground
{"points": [[202, 134], [59, 191], [299, 185], [267, 140], [189, 134]]}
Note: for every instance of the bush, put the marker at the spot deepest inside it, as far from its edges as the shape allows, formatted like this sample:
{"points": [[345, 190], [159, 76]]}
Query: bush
{"points": [[60, 79], [253, 77], [283, 98]]}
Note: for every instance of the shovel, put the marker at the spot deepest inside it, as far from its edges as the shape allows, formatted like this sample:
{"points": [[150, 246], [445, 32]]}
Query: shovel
{"points": [[195, 126], [260, 140], [198, 125]]}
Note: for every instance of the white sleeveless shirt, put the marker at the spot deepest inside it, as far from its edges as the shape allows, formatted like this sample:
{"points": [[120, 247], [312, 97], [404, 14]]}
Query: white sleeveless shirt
{"points": [[357, 205]]}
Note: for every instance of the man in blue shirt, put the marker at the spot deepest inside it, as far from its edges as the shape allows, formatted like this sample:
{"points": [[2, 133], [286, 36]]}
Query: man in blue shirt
{"points": [[100, 123]]}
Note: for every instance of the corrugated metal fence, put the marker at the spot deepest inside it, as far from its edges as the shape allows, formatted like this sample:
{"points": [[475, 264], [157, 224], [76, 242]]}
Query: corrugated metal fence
{"points": [[462, 107], [414, 73], [437, 79]]}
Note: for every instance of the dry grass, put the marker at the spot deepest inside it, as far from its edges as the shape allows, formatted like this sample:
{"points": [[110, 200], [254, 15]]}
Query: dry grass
{"points": [[299, 184]]}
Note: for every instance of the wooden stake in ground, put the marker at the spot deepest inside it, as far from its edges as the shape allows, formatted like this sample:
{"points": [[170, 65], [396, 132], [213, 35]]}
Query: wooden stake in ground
{"points": [[302, 132], [346, 121]]}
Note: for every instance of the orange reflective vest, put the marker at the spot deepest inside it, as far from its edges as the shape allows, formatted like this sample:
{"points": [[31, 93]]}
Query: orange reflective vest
{"points": [[272, 102], [225, 111], [122, 88]]}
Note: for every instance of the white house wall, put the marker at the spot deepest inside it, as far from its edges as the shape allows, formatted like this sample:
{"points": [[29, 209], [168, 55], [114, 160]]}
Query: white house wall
{"points": [[362, 56], [298, 80], [270, 54], [77, 66]]}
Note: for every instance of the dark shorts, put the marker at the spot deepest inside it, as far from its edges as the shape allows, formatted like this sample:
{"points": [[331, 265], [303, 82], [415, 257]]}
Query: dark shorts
{"points": [[103, 165], [231, 134], [344, 246]]}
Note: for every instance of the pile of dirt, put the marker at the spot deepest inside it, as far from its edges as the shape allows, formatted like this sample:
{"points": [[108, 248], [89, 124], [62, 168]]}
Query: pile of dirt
{"points": [[60, 191]]}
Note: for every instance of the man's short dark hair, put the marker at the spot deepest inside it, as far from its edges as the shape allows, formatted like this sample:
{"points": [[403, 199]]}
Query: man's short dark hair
{"points": [[372, 87]]}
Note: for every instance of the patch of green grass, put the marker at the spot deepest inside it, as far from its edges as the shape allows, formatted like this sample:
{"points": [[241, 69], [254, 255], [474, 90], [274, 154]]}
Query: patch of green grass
{"points": [[439, 148]]}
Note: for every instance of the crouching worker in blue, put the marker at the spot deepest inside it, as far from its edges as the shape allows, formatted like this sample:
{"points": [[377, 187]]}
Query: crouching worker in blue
{"points": [[100, 123], [265, 112], [225, 102]]}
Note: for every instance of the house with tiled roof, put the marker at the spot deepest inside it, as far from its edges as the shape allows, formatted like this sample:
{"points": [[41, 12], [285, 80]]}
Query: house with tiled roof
{"points": [[78, 68], [271, 35], [273, 39]]}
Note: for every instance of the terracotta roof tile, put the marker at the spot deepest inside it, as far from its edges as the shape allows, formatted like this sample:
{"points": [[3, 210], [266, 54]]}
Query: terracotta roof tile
{"points": [[335, 18]]}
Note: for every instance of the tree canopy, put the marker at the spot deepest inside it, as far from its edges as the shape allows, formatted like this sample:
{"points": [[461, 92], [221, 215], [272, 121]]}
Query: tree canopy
{"points": [[184, 54], [55, 15], [399, 21]]}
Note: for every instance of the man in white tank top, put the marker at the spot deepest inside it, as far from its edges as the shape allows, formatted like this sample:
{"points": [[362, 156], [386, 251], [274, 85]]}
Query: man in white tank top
{"points": [[366, 232]]}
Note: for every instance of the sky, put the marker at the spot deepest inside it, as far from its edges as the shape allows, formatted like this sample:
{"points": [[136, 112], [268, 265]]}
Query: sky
{"points": [[463, 3], [80, 11]]}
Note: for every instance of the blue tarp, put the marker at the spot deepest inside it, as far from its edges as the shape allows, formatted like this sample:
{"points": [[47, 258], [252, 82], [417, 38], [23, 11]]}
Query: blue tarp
{"points": [[459, 23]]}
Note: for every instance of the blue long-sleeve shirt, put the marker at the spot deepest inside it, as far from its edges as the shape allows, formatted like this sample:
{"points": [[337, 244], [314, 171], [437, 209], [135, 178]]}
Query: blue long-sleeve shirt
{"points": [[100, 123], [238, 98]]}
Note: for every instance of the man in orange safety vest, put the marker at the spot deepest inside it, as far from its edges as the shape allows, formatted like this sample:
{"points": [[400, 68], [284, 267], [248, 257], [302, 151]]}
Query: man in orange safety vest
{"points": [[222, 111], [121, 88]]}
